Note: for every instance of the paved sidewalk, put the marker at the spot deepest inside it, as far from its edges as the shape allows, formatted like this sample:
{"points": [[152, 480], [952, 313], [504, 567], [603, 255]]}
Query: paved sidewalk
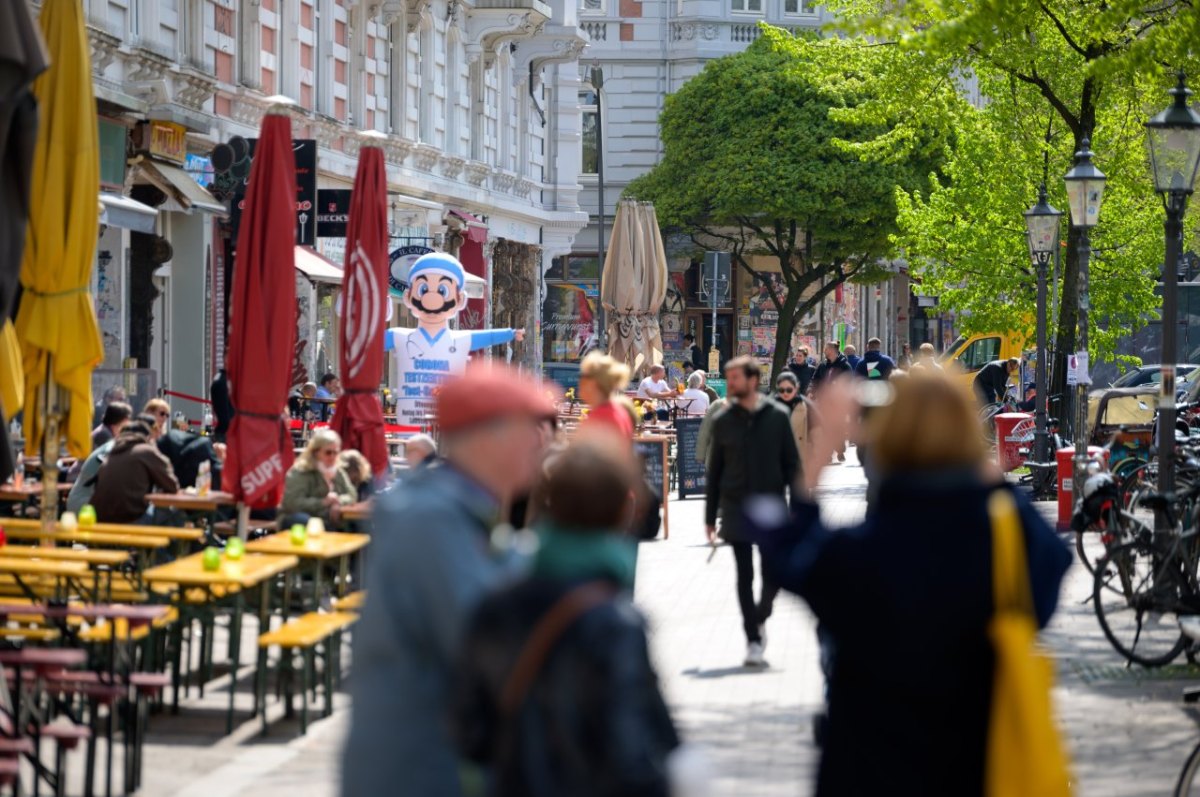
{"points": [[1128, 732]]}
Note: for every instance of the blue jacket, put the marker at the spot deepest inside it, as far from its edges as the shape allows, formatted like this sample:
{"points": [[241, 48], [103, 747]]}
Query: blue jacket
{"points": [[428, 567], [906, 597], [877, 361]]}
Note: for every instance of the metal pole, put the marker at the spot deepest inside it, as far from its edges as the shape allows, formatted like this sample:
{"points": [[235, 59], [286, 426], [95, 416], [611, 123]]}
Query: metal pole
{"points": [[712, 295], [1176, 202], [1041, 440], [597, 83], [1081, 401]]}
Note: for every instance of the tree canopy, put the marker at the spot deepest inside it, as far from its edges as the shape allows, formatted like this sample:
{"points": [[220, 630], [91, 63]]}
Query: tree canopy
{"points": [[757, 161]]}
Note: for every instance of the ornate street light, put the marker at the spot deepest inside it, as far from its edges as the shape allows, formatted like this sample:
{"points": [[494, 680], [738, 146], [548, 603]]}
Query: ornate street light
{"points": [[1042, 235], [1174, 142], [1085, 191]]}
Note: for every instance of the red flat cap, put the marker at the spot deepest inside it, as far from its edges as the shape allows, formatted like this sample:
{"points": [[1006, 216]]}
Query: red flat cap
{"points": [[485, 393]]}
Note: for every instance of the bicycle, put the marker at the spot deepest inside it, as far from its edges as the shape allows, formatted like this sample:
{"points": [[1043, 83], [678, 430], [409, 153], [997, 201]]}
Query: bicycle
{"points": [[1189, 777], [1142, 586]]}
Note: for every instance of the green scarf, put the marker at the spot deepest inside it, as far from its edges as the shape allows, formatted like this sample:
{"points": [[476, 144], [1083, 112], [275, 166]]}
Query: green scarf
{"points": [[575, 556]]}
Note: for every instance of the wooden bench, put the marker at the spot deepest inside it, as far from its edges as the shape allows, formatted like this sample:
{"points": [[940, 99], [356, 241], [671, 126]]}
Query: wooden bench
{"points": [[303, 634], [350, 603]]}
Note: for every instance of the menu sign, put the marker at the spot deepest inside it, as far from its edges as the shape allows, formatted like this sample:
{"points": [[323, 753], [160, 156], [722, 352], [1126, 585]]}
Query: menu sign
{"points": [[653, 452], [305, 153], [691, 471], [333, 212]]}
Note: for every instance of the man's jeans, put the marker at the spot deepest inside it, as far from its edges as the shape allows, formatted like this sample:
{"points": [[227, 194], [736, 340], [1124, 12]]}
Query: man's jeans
{"points": [[753, 615]]}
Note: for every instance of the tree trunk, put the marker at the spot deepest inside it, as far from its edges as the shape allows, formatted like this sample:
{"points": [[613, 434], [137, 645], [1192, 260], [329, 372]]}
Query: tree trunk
{"points": [[783, 332], [1068, 323]]}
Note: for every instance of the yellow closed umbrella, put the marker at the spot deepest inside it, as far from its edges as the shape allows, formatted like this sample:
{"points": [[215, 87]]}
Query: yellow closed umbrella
{"points": [[56, 321]]}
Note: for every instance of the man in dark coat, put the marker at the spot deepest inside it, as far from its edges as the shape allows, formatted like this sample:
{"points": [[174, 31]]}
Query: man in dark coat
{"points": [[753, 453], [222, 406], [186, 450], [695, 353], [991, 383], [875, 364], [834, 364]]}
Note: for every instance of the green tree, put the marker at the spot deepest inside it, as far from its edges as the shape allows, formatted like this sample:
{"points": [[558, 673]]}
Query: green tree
{"points": [[1051, 73], [755, 163]]}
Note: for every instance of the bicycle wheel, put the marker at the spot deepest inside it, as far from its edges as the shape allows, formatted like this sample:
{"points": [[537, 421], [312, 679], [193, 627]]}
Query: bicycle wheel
{"points": [[1135, 601], [1189, 777]]}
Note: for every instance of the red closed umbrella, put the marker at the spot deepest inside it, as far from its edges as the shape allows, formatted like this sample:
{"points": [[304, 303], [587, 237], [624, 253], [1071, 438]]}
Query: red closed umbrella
{"points": [[263, 331], [359, 416]]}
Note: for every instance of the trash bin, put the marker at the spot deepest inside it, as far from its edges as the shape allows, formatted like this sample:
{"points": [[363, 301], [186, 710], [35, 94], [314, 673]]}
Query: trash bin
{"points": [[1009, 445], [1066, 486]]}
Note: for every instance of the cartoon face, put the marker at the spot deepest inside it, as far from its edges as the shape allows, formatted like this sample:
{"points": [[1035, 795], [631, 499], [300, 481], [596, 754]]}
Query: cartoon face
{"points": [[433, 297]]}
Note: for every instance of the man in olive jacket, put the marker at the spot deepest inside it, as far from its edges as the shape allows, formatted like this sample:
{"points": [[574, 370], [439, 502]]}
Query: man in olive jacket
{"points": [[752, 452]]}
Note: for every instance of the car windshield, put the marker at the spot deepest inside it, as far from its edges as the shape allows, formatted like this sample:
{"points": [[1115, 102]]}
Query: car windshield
{"points": [[953, 347], [1138, 376]]}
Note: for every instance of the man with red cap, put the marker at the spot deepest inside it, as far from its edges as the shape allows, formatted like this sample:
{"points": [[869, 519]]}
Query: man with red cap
{"points": [[431, 562]]}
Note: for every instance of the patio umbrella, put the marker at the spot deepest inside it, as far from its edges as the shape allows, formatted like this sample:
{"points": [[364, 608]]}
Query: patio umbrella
{"points": [[359, 416], [263, 333], [22, 58], [56, 322], [634, 285]]}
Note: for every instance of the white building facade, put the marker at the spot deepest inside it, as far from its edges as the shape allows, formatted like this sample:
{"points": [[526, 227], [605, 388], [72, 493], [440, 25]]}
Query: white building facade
{"points": [[479, 105]]}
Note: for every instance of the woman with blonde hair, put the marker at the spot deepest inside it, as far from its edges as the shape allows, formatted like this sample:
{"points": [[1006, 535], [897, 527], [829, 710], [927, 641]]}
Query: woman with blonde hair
{"points": [[600, 381], [914, 578], [359, 470], [316, 485]]}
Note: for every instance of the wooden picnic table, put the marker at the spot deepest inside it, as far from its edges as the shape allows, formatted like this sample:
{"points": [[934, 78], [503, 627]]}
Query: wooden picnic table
{"points": [[186, 533], [192, 502], [359, 511], [253, 569], [28, 491], [87, 556], [99, 538], [62, 572], [317, 549]]}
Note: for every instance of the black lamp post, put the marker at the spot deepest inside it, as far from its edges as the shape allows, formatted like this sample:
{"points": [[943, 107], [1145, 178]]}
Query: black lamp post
{"points": [[1042, 234], [596, 78], [1085, 190], [1174, 139]]}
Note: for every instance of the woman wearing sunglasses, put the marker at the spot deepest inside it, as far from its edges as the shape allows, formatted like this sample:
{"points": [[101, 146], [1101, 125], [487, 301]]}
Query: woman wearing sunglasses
{"points": [[803, 413], [317, 486]]}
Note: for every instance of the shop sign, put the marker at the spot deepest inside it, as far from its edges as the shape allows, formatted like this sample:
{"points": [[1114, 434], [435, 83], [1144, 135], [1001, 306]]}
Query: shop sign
{"points": [[165, 140], [305, 152], [333, 212], [399, 263]]}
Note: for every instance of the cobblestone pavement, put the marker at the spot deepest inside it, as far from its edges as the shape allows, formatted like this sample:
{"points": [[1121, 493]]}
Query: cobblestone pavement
{"points": [[1127, 729]]}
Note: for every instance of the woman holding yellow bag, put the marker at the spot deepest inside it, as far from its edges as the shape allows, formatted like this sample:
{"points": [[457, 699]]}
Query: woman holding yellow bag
{"points": [[929, 609]]}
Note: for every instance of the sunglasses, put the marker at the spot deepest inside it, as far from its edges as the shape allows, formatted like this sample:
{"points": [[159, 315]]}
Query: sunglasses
{"points": [[786, 391]]}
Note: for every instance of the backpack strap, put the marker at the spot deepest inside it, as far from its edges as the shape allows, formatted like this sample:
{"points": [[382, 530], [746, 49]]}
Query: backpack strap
{"points": [[1010, 573], [545, 635]]}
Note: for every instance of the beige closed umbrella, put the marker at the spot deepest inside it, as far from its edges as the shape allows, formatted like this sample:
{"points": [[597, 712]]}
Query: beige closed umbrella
{"points": [[634, 285]]}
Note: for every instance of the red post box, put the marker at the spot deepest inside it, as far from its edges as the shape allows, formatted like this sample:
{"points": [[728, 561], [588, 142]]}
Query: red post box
{"points": [[1008, 444], [1066, 481]]}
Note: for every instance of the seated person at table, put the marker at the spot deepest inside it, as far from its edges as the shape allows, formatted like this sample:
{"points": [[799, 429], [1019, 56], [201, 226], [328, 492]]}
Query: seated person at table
{"points": [[187, 450], [420, 451], [86, 471], [359, 471], [694, 400], [134, 468], [160, 410], [655, 386], [316, 486], [116, 415], [298, 399]]}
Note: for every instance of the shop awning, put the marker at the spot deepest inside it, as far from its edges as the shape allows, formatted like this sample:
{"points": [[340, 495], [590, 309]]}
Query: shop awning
{"points": [[406, 201], [180, 188], [129, 214], [477, 231], [316, 267], [475, 287]]}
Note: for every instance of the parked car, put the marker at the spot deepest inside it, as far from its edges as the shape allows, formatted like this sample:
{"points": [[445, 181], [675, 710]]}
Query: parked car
{"points": [[1152, 375]]}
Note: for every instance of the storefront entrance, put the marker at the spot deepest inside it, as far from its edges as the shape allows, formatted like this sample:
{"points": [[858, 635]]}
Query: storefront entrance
{"points": [[700, 325]]}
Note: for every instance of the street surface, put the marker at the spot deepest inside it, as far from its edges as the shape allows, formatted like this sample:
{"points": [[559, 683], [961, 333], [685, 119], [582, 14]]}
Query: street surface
{"points": [[1127, 729]]}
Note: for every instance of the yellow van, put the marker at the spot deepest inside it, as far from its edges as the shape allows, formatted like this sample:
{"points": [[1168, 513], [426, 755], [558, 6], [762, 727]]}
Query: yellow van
{"points": [[969, 353]]}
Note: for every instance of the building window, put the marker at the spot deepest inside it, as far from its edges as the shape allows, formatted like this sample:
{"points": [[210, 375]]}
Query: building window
{"points": [[593, 8], [796, 7], [748, 6], [589, 106], [569, 308]]}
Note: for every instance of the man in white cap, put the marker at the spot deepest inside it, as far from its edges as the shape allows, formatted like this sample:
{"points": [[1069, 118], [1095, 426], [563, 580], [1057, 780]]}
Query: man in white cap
{"points": [[426, 356]]}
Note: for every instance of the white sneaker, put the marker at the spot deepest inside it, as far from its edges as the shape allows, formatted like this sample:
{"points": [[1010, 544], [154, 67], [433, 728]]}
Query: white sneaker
{"points": [[754, 655], [762, 636]]}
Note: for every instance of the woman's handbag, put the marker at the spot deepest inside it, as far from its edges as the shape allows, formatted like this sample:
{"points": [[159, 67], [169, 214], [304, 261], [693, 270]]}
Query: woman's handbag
{"points": [[1025, 753]]}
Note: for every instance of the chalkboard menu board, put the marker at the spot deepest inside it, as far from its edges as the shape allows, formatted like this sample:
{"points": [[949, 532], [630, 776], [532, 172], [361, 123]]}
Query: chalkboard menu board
{"points": [[653, 451], [691, 471]]}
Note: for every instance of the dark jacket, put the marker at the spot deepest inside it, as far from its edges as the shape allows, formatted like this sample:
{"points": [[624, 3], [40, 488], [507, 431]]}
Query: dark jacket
{"points": [[991, 383], [133, 469], [751, 453], [829, 369], [222, 405], [186, 451], [804, 374], [697, 357], [902, 581], [593, 722], [875, 361]]}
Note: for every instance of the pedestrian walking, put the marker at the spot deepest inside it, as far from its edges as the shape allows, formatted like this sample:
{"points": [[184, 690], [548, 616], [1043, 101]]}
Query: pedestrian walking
{"points": [[905, 360], [752, 453], [601, 379], [835, 365], [430, 565], [875, 364], [695, 353], [556, 694], [852, 356], [801, 410], [927, 359], [803, 369], [915, 575]]}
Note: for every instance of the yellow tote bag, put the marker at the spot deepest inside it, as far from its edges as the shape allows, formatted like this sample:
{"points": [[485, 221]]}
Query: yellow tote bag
{"points": [[1025, 756]]}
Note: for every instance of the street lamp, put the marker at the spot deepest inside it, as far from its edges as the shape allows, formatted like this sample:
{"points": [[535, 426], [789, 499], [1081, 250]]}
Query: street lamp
{"points": [[1042, 234], [1085, 190], [596, 77], [1174, 142]]}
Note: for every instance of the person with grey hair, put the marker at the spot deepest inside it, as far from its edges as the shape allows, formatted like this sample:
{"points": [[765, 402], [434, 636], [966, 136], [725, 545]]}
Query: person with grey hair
{"points": [[694, 400], [420, 451]]}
